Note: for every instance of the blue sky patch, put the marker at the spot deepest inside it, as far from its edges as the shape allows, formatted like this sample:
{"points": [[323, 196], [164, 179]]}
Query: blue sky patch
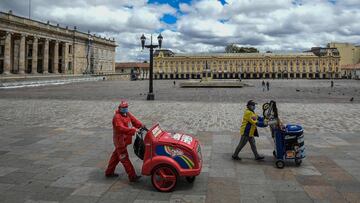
{"points": [[223, 2], [173, 3], [169, 19]]}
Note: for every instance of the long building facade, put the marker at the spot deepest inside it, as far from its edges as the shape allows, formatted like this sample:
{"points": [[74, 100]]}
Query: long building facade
{"points": [[316, 63], [31, 47]]}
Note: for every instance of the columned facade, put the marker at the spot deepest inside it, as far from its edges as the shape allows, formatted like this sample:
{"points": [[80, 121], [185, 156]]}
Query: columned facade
{"points": [[7, 53], [22, 54], [46, 57], [29, 47], [305, 65], [34, 55], [55, 67]]}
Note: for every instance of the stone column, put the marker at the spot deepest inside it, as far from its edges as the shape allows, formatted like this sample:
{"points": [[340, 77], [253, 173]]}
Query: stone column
{"points": [[64, 65], [7, 54], [22, 54], [34, 56], [46, 57], [56, 58]]}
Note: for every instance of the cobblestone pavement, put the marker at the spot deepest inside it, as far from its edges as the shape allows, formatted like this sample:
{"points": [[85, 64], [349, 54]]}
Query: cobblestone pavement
{"points": [[55, 143]]}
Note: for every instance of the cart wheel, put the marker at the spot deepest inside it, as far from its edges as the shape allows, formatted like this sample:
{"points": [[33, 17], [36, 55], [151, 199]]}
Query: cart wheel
{"points": [[164, 178], [274, 153], [190, 179], [298, 162], [280, 164]]}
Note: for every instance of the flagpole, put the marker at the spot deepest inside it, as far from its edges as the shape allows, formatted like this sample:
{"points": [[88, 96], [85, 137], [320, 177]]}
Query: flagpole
{"points": [[29, 9]]}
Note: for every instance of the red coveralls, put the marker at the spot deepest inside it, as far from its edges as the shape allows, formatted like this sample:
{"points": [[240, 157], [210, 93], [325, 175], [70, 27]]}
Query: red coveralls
{"points": [[123, 130]]}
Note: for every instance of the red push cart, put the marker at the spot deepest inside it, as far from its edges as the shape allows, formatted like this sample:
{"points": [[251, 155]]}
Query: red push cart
{"points": [[168, 156]]}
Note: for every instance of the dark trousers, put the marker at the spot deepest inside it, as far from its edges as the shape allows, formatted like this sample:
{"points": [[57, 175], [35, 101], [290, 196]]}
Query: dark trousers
{"points": [[244, 139]]}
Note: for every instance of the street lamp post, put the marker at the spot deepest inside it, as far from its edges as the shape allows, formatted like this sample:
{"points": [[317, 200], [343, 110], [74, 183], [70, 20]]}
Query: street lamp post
{"points": [[151, 46]]}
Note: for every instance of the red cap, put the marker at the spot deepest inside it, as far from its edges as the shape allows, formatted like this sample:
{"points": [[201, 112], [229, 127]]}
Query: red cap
{"points": [[123, 104]]}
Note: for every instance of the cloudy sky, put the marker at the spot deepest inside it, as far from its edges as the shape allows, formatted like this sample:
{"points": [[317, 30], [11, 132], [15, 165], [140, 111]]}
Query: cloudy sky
{"points": [[203, 25]]}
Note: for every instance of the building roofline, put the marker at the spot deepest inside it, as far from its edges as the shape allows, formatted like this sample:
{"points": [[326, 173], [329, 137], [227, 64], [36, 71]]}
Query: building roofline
{"points": [[55, 26]]}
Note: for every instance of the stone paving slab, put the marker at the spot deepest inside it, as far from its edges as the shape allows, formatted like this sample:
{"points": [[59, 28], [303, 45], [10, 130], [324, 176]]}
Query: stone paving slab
{"points": [[60, 151]]}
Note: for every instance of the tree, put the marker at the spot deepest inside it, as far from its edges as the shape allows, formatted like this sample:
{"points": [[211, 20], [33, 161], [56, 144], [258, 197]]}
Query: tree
{"points": [[233, 48]]}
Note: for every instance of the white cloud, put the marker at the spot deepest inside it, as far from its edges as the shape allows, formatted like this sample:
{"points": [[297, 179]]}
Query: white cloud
{"points": [[206, 25]]}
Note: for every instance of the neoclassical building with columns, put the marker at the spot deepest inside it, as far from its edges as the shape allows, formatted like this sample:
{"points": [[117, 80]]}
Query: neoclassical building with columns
{"points": [[315, 63], [29, 47]]}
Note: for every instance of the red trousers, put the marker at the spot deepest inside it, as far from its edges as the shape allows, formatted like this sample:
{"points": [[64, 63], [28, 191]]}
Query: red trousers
{"points": [[120, 155]]}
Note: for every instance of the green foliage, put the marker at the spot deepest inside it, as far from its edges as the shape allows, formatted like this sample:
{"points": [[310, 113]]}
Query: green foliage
{"points": [[233, 48]]}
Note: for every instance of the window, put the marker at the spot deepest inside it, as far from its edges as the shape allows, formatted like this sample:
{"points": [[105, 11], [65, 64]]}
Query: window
{"points": [[30, 51], [40, 50], [69, 66], [2, 49], [70, 49]]}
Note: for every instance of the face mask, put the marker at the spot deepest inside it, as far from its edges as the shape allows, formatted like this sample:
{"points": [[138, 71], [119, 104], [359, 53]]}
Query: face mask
{"points": [[124, 110], [252, 108]]}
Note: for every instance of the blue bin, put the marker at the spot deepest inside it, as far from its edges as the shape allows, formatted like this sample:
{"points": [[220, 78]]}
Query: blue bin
{"points": [[261, 122]]}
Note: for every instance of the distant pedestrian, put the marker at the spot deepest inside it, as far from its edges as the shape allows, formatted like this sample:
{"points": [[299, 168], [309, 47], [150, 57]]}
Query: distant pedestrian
{"points": [[174, 83], [263, 85], [267, 85], [332, 84]]}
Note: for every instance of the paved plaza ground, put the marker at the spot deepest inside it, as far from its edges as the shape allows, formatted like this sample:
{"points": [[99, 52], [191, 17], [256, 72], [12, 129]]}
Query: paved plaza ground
{"points": [[55, 142]]}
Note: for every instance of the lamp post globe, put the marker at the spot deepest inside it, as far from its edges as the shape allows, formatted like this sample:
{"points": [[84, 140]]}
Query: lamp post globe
{"points": [[160, 38], [143, 38]]}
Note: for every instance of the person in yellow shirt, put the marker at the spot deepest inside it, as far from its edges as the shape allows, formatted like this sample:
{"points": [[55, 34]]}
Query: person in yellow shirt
{"points": [[248, 131]]}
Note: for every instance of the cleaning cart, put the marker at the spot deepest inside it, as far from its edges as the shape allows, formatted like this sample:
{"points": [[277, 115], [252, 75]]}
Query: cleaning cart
{"points": [[288, 139]]}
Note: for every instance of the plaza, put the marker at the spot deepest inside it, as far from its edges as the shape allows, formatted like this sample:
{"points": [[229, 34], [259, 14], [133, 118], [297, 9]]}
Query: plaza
{"points": [[55, 142]]}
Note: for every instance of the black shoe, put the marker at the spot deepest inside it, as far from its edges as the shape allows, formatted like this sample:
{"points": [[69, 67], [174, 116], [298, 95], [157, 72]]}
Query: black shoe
{"points": [[235, 157], [135, 178], [259, 158], [112, 175]]}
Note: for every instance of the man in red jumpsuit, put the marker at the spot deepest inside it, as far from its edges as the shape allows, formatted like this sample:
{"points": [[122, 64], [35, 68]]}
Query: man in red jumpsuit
{"points": [[124, 127]]}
